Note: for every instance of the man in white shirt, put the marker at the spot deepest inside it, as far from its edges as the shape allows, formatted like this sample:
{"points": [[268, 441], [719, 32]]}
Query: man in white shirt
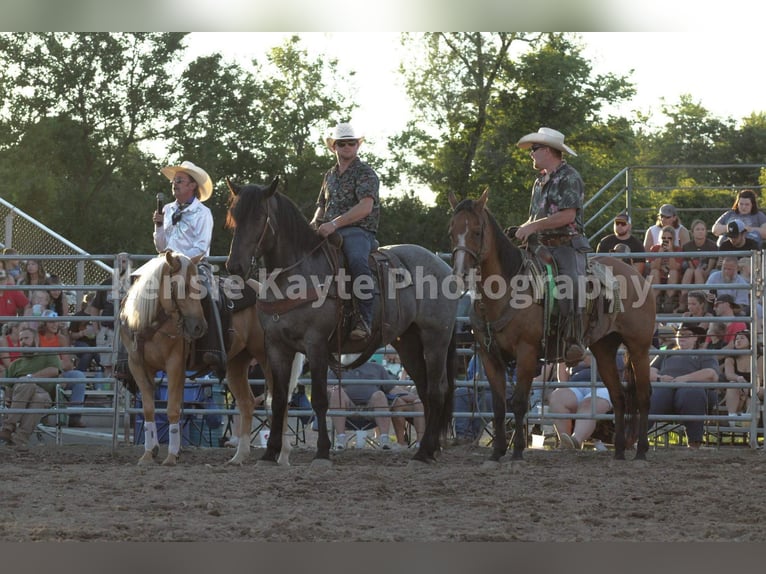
{"points": [[186, 226]]}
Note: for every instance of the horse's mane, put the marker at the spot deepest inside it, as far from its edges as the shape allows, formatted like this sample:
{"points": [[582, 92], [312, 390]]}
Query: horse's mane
{"points": [[296, 234], [509, 255], [295, 229], [142, 300]]}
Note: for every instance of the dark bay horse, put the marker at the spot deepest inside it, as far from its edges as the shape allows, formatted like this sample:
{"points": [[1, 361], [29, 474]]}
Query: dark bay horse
{"points": [[159, 318], [508, 321], [301, 309]]}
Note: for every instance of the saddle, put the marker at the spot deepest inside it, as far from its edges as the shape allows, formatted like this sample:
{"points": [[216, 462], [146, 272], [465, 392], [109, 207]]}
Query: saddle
{"points": [[542, 266], [386, 270]]}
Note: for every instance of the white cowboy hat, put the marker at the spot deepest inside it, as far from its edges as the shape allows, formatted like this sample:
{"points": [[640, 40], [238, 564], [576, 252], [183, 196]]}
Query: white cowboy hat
{"points": [[343, 131], [547, 137], [197, 173]]}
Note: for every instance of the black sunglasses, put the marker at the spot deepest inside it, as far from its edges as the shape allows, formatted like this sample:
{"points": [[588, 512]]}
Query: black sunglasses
{"points": [[351, 143], [536, 147]]}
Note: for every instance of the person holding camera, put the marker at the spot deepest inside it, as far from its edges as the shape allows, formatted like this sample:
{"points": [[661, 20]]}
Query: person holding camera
{"points": [[666, 270]]}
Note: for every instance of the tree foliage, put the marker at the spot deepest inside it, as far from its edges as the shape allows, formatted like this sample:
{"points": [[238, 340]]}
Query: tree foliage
{"points": [[87, 120]]}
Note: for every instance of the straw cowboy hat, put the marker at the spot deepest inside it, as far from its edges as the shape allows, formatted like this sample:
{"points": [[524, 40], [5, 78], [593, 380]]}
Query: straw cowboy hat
{"points": [[343, 131], [196, 173], [547, 137]]}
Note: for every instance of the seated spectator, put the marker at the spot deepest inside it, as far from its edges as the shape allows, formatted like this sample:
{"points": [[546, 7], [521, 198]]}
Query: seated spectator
{"points": [[696, 269], [12, 266], [697, 306], [623, 236], [17, 428], [57, 298], [33, 274], [728, 274], [9, 338], [716, 339], [726, 307], [350, 396], [737, 369], [13, 302], [468, 400], [685, 400], [571, 400], [83, 334], [665, 337], [666, 270], [745, 208], [406, 400], [50, 334], [667, 216], [737, 238]]}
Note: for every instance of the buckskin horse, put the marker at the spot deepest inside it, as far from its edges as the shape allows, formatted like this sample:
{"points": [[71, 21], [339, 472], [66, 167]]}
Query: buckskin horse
{"points": [[302, 310], [512, 326], [160, 317]]}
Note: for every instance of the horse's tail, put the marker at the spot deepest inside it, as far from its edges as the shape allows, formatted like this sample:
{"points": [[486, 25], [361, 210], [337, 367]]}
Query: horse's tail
{"points": [[631, 403]]}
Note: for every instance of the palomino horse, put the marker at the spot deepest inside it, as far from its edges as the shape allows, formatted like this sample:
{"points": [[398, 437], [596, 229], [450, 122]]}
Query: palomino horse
{"points": [[510, 326], [160, 317], [301, 310]]}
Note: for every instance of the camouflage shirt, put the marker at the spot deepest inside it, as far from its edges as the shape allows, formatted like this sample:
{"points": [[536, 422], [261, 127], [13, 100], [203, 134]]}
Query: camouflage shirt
{"points": [[340, 193], [561, 189]]}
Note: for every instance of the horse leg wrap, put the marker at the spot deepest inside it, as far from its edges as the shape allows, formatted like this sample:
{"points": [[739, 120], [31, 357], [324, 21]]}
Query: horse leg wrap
{"points": [[150, 436], [174, 438]]}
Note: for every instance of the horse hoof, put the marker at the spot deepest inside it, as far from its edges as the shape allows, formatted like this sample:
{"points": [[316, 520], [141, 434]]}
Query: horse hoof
{"points": [[234, 462], [146, 459], [171, 460]]}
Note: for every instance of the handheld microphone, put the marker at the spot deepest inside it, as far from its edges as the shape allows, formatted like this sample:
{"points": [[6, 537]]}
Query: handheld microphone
{"points": [[160, 201]]}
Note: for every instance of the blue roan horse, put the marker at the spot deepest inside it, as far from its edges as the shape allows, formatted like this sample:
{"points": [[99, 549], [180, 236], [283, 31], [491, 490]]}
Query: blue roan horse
{"points": [[301, 310]]}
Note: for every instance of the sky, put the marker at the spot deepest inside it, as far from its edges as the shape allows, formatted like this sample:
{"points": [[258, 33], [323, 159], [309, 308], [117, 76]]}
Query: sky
{"points": [[664, 66]]}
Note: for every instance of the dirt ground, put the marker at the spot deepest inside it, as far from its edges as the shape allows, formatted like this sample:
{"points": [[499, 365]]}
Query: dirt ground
{"points": [[86, 493]]}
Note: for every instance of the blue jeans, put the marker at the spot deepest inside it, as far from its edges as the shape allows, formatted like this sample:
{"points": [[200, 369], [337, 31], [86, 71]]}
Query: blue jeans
{"points": [[84, 359], [684, 401], [470, 428], [77, 399], [357, 245]]}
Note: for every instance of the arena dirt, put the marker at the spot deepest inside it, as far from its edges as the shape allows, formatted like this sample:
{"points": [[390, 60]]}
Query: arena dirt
{"points": [[87, 493]]}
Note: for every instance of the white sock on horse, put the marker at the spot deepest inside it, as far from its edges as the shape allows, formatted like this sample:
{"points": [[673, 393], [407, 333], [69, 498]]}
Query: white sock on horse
{"points": [[150, 436], [174, 440]]}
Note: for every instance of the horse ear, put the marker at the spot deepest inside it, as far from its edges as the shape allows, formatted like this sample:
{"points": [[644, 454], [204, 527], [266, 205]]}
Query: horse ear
{"points": [[272, 187], [234, 189], [482, 201], [173, 262], [452, 199]]}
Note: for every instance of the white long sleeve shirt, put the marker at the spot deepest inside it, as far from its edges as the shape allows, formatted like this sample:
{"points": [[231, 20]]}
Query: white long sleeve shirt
{"points": [[191, 235]]}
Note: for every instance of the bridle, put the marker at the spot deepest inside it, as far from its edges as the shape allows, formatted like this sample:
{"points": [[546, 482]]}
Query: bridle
{"points": [[477, 255]]}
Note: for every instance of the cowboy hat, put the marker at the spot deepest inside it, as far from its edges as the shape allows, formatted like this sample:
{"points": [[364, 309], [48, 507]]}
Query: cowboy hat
{"points": [[547, 137], [343, 131], [196, 173]]}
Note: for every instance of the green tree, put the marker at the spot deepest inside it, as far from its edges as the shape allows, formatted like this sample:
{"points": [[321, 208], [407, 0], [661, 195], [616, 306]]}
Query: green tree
{"points": [[258, 122], [481, 97], [76, 108]]}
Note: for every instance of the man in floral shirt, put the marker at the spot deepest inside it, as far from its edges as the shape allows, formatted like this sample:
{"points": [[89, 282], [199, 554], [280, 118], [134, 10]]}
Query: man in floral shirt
{"points": [[556, 216], [348, 204]]}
